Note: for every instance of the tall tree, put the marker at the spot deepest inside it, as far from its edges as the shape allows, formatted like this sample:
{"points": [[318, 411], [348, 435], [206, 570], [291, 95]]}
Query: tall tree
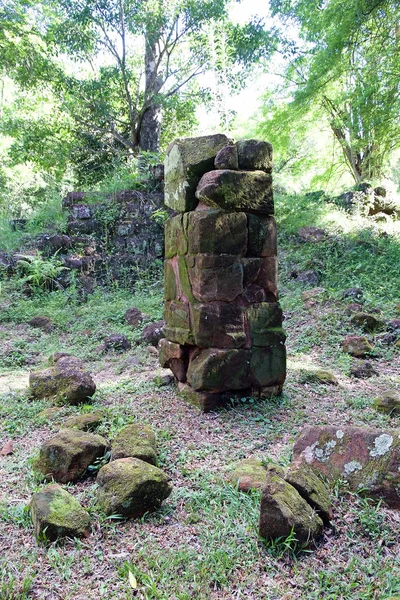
{"points": [[349, 64]]}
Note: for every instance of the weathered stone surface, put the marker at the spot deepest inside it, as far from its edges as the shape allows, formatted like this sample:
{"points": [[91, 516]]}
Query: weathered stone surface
{"points": [[283, 509], [227, 158], [85, 422], [219, 370], [255, 155], [249, 474], [170, 289], [237, 190], [205, 401], [55, 514], [186, 162], [216, 232], [131, 487], [218, 324], [175, 237], [311, 234], [133, 316], [117, 342], [353, 292], [363, 370], [357, 345], [81, 211], [66, 381], [268, 365], [175, 357], [319, 376], [44, 323], [388, 403], [137, 441], [262, 236], [216, 278], [177, 322], [251, 270], [261, 318], [365, 458], [368, 322], [66, 456], [268, 277], [314, 295], [153, 333], [311, 488]]}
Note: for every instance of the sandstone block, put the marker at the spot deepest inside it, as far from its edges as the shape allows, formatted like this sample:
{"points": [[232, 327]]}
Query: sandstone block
{"points": [[137, 441], [216, 232], [268, 277], [311, 488], [55, 513], [131, 487], [268, 366], [219, 370], [186, 162], [237, 190], [261, 318], [227, 158], [66, 381], [357, 345], [262, 236], [205, 401], [67, 455], [249, 474], [218, 324], [175, 357], [255, 155], [216, 278], [170, 289], [85, 422], [365, 458], [388, 403], [251, 270], [177, 319], [175, 238]]}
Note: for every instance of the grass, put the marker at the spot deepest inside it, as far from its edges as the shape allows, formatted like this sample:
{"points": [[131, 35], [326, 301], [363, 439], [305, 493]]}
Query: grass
{"points": [[203, 542]]}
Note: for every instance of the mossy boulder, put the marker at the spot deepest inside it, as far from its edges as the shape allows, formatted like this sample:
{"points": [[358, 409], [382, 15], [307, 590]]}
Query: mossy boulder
{"points": [[85, 422], [254, 155], [283, 509], [311, 488], [66, 456], [319, 376], [237, 190], [249, 474], [227, 158], [216, 232], [217, 370], [137, 441], [364, 458], [186, 161], [357, 346], [131, 487], [388, 403], [66, 381], [55, 513], [368, 322]]}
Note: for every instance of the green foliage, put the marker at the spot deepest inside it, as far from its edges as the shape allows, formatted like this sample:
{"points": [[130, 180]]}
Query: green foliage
{"points": [[38, 272]]}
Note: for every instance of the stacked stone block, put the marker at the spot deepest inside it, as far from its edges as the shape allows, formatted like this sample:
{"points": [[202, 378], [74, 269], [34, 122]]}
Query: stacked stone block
{"points": [[223, 332]]}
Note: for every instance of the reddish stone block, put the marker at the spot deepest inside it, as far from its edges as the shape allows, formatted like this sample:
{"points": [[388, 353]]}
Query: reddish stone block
{"points": [[216, 232], [218, 324], [268, 277], [262, 236], [219, 370], [261, 318], [216, 278], [268, 366], [175, 357]]}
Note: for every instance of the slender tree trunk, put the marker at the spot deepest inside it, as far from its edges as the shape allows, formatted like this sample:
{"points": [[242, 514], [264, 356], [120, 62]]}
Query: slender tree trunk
{"points": [[150, 123]]}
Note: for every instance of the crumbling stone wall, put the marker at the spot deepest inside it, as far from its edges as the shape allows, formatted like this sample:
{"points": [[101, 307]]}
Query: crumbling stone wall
{"points": [[223, 332]]}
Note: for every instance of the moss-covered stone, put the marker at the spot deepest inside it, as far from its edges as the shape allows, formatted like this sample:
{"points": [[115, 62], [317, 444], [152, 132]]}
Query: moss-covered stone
{"points": [[186, 161], [218, 324], [138, 441], [219, 370], [170, 291], [205, 401], [177, 322], [175, 357], [131, 487], [66, 382], [282, 508], [249, 191], [85, 422], [55, 513], [357, 346], [261, 318], [67, 455], [227, 158], [185, 288], [388, 403], [175, 237], [249, 474], [311, 488], [319, 376], [216, 278], [216, 232], [268, 366], [368, 322], [254, 155], [262, 236]]}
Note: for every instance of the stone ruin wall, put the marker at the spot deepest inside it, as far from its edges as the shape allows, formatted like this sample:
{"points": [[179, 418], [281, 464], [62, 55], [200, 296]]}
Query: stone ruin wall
{"points": [[223, 333]]}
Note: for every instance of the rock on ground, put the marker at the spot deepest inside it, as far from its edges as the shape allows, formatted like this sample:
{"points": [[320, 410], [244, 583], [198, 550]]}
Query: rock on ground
{"points": [[85, 422], [357, 346], [249, 474], [137, 441], [67, 455], [55, 513], [388, 403], [153, 333], [365, 458], [131, 487]]}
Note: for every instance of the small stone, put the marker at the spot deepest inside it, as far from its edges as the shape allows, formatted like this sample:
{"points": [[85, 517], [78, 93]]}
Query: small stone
{"points": [[368, 322], [319, 376], [311, 488], [7, 449], [50, 413], [85, 422], [66, 381], [137, 441], [353, 308], [394, 326], [227, 158], [388, 403], [55, 514], [66, 456], [44, 323], [153, 333], [284, 510], [309, 277], [133, 316], [117, 342], [353, 292], [254, 155], [318, 293], [363, 370], [237, 190], [357, 346], [311, 234], [131, 487], [249, 474]]}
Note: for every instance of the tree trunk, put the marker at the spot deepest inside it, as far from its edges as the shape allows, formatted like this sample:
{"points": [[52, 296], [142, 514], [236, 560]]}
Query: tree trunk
{"points": [[150, 129], [150, 124]]}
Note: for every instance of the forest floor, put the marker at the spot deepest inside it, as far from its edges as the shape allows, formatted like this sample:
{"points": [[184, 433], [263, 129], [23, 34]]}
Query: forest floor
{"points": [[203, 543]]}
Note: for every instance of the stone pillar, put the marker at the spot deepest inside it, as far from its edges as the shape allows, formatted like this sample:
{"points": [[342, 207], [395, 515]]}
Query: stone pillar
{"points": [[223, 333]]}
